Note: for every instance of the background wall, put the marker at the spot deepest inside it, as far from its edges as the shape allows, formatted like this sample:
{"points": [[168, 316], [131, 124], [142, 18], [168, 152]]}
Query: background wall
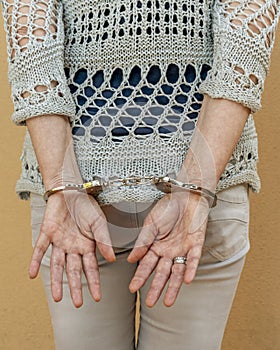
{"points": [[255, 319]]}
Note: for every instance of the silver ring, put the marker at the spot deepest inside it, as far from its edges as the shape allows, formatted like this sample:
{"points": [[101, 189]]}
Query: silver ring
{"points": [[180, 260]]}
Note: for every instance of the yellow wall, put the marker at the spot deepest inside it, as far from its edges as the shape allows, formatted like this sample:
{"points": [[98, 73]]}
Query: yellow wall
{"points": [[255, 320]]}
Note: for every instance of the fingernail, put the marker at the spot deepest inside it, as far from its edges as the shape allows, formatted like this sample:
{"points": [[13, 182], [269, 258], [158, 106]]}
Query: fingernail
{"points": [[150, 303]]}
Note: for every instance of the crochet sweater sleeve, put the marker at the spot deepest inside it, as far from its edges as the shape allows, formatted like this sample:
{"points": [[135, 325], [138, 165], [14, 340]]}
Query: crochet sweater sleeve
{"points": [[35, 36], [243, 34]]}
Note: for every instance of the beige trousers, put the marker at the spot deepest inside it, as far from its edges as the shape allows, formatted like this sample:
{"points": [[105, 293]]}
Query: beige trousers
{"points": [[198, 318]]}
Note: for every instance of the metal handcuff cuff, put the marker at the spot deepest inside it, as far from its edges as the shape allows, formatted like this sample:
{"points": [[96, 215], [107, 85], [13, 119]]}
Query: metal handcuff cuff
{"points": [[164, 184]]}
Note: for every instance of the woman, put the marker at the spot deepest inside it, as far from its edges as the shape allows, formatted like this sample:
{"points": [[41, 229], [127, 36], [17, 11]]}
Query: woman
{"points": [[136, 96]]}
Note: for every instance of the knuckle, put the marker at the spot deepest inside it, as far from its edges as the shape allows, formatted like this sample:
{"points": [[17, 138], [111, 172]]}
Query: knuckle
{"points": [[193, 258], [178, 270], [193, 261], [57, 264], [89, 260], [143, 270], [138, 278], [174, 288], [161, 274], [39, 249], [74, 269], [176, 278], [56, 281], [145, 242], [90, 270], [192, 267]]}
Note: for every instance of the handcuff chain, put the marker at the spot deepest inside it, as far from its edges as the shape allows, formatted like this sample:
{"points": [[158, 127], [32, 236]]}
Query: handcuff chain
{"points": [[164, 184]]}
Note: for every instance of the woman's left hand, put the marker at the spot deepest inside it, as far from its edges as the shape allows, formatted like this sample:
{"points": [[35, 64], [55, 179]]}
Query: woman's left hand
{"points": [[174, 227]]}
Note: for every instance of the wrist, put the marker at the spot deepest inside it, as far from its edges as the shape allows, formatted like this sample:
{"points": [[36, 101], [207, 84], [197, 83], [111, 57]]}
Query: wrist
{"points": [[168, 185], [192, 176], [199, 167], [61, 179]]}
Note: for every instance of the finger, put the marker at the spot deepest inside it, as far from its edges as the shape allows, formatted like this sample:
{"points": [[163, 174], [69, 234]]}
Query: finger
{"points": [[74, 270], [159, 281], [57, 268], [175, 283], [144, 241], [192, 263], [40, 248], [101, 235], [90, 266], [143, 271]]}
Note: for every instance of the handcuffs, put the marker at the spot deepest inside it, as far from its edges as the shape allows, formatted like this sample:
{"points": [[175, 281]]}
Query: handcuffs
{"points": [[164, 184]]}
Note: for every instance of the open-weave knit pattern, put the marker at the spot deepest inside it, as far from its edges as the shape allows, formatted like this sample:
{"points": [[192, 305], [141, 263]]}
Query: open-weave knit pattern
{"points": [[131, 76]]}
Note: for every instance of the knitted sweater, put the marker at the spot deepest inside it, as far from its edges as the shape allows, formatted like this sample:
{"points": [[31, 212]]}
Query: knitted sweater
{"points": [[131, 74]]}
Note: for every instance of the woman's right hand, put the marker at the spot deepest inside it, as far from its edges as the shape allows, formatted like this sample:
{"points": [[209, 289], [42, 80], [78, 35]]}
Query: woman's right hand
{"points": [[70, 217]]}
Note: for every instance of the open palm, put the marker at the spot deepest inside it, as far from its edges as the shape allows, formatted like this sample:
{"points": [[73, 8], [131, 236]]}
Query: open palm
{"points": [[175, 227], [68, 219]]}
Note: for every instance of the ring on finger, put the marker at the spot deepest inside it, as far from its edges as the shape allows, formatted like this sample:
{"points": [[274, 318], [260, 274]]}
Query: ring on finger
{"points": [[180, 260]]}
